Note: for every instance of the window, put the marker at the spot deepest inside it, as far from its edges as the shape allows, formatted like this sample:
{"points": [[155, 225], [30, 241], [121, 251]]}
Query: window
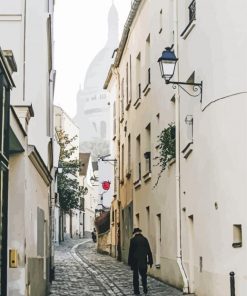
{"points": [[127, 84], [116, 177], [137, 220], [138, 158], [161, 21], [147, 61], [122, 163], [138, 76], [112, 216], [122, 97], [114, 120], [191, 19], [158, 240], [82, 204], [130, 80], [147, 154], [189, 123], [129, 153], [237, 236], [148, 219]]}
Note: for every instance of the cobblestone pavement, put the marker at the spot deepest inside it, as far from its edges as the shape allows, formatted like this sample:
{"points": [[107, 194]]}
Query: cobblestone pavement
{"points": [[81, 271]]}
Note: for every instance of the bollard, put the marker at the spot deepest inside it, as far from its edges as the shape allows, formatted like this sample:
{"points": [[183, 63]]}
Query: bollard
{"points": [[232, 283]]}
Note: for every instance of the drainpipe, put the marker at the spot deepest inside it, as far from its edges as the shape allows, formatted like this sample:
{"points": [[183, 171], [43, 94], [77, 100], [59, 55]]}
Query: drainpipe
{"points": [[24, 50], [178, 191], [119, 253]]}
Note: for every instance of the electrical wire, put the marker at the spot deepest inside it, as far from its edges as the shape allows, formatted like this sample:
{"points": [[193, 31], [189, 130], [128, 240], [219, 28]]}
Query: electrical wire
{"points": [[222, 98]]}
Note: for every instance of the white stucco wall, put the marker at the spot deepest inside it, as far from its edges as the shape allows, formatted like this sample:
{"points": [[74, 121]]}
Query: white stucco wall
{"points": [[23, 29], [213, 176]]}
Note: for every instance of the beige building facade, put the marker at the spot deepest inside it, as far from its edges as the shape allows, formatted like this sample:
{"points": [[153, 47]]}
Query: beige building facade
{"points": [[142, 111], [194, 217]]}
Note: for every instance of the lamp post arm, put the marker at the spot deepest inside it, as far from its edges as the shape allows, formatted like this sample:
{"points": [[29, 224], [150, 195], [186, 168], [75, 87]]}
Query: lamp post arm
{"points": [[197, 87]]}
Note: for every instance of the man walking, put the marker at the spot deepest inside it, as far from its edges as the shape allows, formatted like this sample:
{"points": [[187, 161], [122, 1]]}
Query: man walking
{"points": [[140, 256]]}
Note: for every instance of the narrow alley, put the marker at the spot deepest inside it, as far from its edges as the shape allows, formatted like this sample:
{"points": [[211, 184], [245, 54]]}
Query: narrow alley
{"points": [[80, 271]]}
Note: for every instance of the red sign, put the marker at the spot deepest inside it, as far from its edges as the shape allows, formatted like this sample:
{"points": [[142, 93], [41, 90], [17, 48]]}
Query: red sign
{"points": [[106, 185]]}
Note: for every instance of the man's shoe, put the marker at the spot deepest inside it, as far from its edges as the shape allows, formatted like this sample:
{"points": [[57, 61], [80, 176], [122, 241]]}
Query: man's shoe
{"points": [[137, 293]]}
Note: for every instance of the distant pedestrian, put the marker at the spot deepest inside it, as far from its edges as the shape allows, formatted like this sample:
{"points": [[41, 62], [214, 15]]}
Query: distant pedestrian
{"points": [[140, 256], [93, 233]]}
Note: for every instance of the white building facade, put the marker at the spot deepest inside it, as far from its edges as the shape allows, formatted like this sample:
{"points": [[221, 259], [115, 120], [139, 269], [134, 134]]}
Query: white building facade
{"points": [[89, 199], [26, 27], [62, 122]]}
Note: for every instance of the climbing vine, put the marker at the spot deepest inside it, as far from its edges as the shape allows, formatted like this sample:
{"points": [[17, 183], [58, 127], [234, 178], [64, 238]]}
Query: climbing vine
{"points": [[167, 148]]}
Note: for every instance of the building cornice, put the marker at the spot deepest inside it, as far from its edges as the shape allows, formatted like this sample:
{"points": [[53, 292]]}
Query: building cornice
{"points": [[133, 11], [7, 67], [39, 164], [108, 78], [18, 121]]}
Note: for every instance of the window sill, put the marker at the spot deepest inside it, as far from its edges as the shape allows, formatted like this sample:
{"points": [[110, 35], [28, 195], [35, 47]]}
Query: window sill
{"points": [[237, 245], [188, 150], [188, 29], [147, 89], [171, 162], [137, 184], [128, 106], [147, 176], [137, 103]]}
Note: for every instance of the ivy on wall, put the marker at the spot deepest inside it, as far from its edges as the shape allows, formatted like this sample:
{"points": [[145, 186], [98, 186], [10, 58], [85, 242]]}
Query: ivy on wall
{"points": [[167, 148]]}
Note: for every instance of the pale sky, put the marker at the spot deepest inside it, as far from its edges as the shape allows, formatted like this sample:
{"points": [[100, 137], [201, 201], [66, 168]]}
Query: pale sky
{"points": [[80, 31]]}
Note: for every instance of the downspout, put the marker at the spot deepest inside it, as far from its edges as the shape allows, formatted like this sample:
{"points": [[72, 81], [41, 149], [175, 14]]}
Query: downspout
{"points": [[24, 50], [116, 73], [178, 191]]}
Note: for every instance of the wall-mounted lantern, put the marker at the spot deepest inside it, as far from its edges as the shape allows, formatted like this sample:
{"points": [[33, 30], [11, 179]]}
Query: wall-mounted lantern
{"points": [[167, 62]]}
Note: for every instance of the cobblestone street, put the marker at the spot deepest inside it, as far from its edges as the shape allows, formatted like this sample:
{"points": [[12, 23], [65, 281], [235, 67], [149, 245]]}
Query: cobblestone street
{"points": [[80, 270]]}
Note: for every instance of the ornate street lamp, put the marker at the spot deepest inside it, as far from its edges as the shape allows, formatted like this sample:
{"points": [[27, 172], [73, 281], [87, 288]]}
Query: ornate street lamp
{"points": [[167, 62]]}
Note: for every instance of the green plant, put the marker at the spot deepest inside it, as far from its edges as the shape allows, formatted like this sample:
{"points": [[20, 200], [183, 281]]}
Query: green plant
{"points": [[167, 148], [67, 180]]}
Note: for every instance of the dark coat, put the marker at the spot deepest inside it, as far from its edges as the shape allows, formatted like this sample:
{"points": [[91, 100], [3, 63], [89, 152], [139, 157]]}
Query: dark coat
{"points": [[140, 254]]}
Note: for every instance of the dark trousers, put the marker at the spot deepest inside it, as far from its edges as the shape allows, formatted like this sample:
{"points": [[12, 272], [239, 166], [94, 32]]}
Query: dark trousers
{"points": [[143, 272]]}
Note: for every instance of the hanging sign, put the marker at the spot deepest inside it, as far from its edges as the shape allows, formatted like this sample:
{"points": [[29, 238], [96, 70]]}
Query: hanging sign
{"points": [[106, 185]]}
